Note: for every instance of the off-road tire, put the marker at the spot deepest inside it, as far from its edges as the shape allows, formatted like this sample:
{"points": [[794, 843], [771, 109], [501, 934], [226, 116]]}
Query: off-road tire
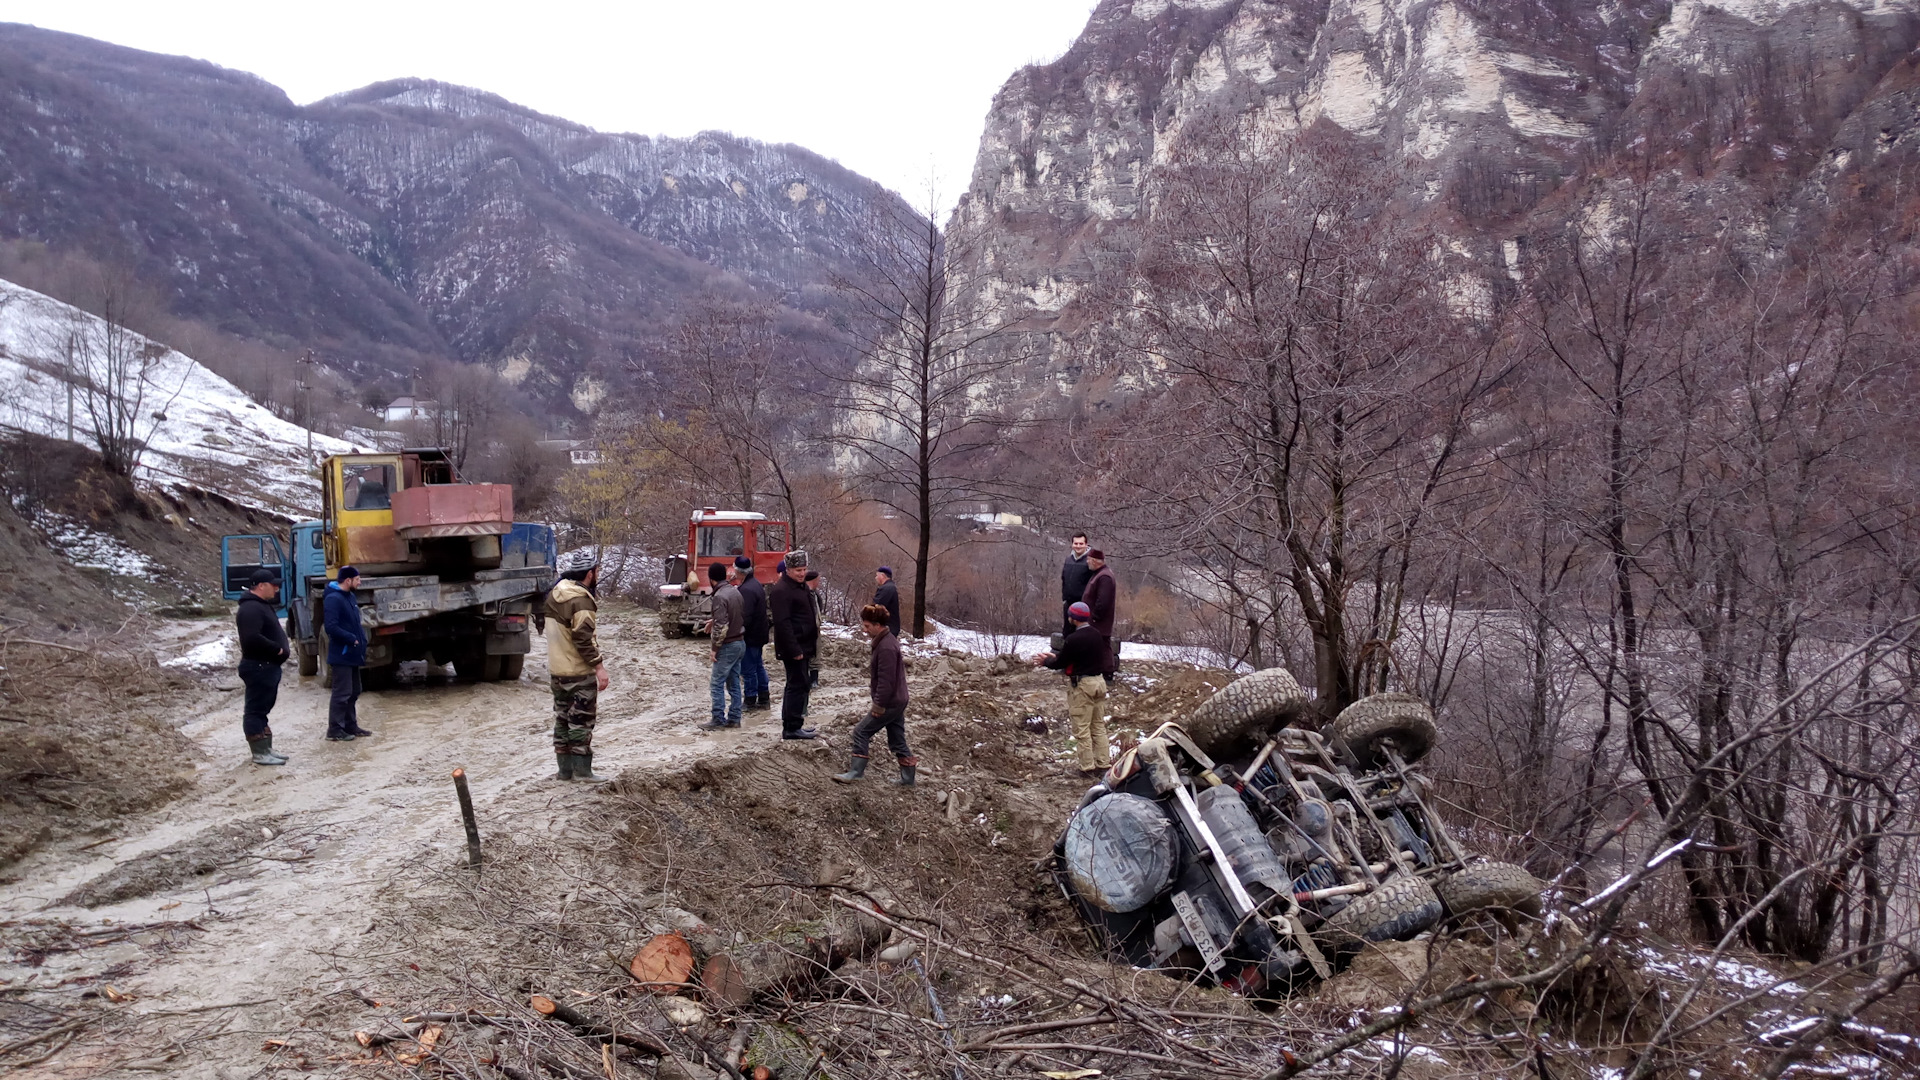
{"points": [[1490, 886], [1400, 908], [1408, 721], [511, 666], [1244, 711]]}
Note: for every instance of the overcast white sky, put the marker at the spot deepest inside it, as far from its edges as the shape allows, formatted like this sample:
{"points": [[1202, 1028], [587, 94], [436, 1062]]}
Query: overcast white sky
{"points": [[895, 89]]}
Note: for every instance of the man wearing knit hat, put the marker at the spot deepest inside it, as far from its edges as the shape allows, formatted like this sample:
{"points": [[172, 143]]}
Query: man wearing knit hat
{"points": [[796, 637], [887, 596], [1083, 657], [753, 662], [1100, 601]]}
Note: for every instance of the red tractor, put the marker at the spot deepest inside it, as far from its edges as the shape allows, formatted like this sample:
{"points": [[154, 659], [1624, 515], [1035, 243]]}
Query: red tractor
{"points": [[716, 536]]}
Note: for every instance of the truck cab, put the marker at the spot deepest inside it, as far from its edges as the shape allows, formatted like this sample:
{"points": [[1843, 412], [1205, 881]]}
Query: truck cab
{"points": [[716, 536]]}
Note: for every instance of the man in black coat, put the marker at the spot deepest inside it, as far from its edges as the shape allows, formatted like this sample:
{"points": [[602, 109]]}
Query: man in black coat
{"points": [[1074, 574], [753, 665], [1101, 600], [263, 648], [796, 638], [887, 596]]}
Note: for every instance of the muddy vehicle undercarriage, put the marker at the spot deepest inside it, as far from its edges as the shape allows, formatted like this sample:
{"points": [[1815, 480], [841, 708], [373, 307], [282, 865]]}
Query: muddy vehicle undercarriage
{"points": [[1261, 856]]}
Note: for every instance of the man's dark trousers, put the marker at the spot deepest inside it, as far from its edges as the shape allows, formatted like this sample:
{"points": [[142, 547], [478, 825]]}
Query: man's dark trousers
{"points": [[263, 689], [793, 696], [343, 715]]}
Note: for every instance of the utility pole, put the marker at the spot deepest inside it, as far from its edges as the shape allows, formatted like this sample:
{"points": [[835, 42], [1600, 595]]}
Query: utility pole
{"points": [[306, 363]]}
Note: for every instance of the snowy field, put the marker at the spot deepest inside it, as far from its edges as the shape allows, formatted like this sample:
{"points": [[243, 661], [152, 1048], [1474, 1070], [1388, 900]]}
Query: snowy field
{"points": [[207, 433], [1028, 646]]}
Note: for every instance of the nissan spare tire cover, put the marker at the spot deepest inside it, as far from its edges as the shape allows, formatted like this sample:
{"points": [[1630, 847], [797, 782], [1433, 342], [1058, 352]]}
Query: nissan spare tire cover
{"points": [[1120, 853]]}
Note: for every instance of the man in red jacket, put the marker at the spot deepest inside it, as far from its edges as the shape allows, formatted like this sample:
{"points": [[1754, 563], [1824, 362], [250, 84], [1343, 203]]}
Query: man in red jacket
{"points": [[887, 686]]}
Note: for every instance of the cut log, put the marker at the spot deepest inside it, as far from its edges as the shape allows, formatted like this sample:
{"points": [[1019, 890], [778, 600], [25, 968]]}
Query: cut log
{"points": [[664, 963], [722, 983]]}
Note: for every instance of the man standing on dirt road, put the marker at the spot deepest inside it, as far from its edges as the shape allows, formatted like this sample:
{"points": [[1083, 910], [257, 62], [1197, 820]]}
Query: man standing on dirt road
{"points": [[1074, 574], [728, 629], [887, 595], [574, 664], [753, 662], [1083, 657], [887, 697], [1100, 599], [263, 648], [346, 655], [796, 637]]}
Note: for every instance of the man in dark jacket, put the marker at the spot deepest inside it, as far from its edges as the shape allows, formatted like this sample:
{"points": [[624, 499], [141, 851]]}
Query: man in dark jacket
{"points": [[1083, 657], [753, 662], [1073, 579], [263, 648], [887, 596], [346, 655], [796, 637], [1100, 600], [887, 701]]}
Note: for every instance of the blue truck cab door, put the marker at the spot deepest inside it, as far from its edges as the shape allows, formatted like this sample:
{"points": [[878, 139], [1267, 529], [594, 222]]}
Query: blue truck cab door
{"points": [[241, 555]]}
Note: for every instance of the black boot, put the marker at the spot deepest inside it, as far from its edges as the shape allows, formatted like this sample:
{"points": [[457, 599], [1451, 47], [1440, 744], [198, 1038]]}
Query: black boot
{"points": [[566, 766], [583, 768], [263, 751], [854, 771], [909, 768]]}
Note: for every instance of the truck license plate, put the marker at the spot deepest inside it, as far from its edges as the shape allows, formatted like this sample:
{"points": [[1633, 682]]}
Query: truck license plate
{"points": [[407, 605], [1189, 914]]}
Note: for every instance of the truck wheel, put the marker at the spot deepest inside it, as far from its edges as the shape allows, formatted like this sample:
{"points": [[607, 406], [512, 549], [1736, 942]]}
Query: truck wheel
{"points": [[309, 664], [1364, 726], [1494, 886], [490, 667], [511, 666], [1242, 712], [378, 678], [469, 666], [1398, 910], [319, 653]]}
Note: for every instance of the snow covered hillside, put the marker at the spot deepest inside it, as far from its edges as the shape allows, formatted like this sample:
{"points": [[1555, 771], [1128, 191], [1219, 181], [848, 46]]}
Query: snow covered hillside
{"points": [[200, 429]]}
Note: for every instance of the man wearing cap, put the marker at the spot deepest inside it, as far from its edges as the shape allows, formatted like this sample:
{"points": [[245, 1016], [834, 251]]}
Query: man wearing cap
{"points": [[1083, 657], [796, 637], [887, 595], [346, 655], [728, 629], [1099, 598], [263, 648], [753, 661], [574, 664]]}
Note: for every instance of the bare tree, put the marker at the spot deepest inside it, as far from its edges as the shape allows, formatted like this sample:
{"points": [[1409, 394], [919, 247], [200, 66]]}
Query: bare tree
{"points": [[112, 373], [1313, 396], [923, 408]]}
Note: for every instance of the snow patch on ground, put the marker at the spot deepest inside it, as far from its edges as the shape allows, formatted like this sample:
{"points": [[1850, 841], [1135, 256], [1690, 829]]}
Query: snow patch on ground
{"points": [[217, 653], [1028, 646], [1745, 976], [201, 430], [85, 547]]}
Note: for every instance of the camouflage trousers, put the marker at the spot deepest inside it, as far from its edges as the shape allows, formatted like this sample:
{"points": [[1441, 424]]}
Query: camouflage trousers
{"points": [[575, 702]]}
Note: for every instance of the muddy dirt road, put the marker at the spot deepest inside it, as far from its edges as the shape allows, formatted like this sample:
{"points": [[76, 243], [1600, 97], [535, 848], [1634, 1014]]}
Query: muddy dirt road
{"points": [[215, 964]]}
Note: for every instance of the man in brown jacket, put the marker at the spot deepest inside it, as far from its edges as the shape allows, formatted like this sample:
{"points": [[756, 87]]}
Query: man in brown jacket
{"points": [[887, 693], [574, 664]]}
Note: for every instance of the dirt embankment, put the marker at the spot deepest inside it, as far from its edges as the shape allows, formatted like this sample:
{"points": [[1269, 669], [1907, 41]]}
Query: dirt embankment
{"points": [[321, 919]]}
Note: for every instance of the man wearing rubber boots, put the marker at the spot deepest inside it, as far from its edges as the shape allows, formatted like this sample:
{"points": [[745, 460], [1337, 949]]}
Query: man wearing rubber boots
{"points": [[574, 664], [1083, 657], [887, 693], [796, 637], [263, 648]]}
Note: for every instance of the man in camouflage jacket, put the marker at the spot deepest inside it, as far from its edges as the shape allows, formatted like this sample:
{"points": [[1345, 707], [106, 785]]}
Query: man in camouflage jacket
{"points": [[574, 664]]}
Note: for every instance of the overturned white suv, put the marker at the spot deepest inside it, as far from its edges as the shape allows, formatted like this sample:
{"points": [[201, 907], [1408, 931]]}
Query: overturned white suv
{"points": [[1263, 856]]}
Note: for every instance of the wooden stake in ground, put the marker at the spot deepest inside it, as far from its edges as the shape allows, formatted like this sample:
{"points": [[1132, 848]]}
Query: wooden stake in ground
{"points": [[466, 813]]}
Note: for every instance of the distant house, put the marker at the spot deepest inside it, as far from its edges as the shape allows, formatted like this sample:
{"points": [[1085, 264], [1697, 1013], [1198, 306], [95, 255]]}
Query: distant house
{"points": [[402, 409], [578, 452]]}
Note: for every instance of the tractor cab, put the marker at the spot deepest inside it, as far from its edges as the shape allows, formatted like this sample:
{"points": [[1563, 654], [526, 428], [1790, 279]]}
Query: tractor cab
{"points": [[717, 536]]}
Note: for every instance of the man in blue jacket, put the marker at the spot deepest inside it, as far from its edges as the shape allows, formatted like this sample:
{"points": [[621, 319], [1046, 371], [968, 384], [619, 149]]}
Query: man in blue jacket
{"points": [[346, 655]]}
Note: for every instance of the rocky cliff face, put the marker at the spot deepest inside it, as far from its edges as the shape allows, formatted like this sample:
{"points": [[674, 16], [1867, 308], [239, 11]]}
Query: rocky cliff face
{"points": [[1493, 105], [408, 219]]}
